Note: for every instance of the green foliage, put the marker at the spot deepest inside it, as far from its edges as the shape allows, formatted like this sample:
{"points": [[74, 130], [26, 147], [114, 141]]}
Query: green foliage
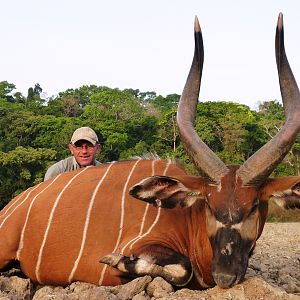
{"points": [[21, 168], [54, 133], [166, 103], [227, 129], [18, 128], [167, 132], [113, 104], [35, 132], [5, 91]]}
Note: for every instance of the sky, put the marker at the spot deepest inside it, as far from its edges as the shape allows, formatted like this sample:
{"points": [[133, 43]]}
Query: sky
{"points": [[147, 45]]}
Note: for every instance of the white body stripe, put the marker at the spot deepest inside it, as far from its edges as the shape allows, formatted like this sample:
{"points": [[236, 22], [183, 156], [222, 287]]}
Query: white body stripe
{"points": [[21, 243], [37, 268], [140, 235], [144, 216], [7, 208], [102, 274], [87, 221], [150, 228], [2, 223], [121, 219]]}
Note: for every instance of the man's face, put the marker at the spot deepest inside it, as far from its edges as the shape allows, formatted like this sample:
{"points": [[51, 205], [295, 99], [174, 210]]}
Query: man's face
{"points": [[84, 152]]}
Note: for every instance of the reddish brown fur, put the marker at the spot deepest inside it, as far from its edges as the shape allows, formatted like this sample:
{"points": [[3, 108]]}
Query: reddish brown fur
{"points": [[65, 234], [182, 229]]}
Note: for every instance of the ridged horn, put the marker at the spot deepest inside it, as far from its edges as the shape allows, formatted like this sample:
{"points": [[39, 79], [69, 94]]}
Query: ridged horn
{"points": [[204, 159], [261, 164]]}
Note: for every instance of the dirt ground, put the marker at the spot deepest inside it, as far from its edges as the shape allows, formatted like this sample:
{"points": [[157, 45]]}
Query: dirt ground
{"points": [[276, 257]]}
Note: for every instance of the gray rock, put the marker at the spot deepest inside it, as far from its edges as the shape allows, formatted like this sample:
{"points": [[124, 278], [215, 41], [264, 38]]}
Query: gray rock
{"points": [[131, 289], [273, 261], [159, 288], [96, 294], [15, 287], [51, 293], [141, 296], [76, 291], [252, 289]]}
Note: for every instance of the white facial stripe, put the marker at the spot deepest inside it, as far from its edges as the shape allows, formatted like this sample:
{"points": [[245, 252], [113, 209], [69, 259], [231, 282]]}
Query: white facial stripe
{"points": [[237, 226], [220, 225]]}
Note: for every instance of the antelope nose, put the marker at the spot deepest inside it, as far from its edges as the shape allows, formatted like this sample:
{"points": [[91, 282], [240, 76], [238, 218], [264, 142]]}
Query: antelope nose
{"points": [[224, 280]]}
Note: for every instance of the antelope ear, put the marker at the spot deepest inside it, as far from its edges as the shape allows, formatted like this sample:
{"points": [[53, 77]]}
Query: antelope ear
{"points": [[167, 192], [284, 191]]}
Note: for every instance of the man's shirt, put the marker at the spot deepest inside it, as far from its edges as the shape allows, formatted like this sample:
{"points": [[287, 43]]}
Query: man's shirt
{"points": [[66, 165]]}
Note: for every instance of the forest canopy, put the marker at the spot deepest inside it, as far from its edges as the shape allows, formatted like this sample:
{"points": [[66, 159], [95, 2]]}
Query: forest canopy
{"points": [[35, 132]]}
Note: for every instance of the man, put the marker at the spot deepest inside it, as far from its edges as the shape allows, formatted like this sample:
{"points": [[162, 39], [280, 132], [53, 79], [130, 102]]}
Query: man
{"points": [[84, 146]]}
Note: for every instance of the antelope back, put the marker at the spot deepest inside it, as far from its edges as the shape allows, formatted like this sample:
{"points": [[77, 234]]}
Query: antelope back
{"points": [[62, 227]]}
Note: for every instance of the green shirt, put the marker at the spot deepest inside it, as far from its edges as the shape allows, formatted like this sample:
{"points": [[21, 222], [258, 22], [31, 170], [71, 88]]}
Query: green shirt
{"points": [[66, 165]]}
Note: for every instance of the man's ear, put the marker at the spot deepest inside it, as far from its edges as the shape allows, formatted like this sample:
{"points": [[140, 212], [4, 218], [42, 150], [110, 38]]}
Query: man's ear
{"points": [[167, 192], [284, 191], [71, 148], [98, 148]]}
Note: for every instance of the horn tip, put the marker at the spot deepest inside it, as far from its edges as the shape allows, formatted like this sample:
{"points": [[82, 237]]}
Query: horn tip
{"points": [[197, 25], [280, 21]]}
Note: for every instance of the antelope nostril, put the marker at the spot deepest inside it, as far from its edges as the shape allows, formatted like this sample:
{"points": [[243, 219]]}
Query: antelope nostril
{"points": [[224, 280]]}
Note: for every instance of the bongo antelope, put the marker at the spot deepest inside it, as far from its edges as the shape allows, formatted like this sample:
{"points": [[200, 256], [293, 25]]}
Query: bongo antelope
{"points": [[193, 231]]}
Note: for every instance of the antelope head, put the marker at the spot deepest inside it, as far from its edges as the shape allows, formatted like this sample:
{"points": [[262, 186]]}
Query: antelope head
{"points": [[237, 196]]}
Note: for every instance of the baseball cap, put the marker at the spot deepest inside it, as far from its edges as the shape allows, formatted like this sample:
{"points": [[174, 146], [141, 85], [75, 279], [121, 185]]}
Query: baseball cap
{"points": [[84, 133]]}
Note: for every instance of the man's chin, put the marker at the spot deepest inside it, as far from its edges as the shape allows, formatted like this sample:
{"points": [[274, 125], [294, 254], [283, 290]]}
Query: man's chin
{"points": [[85, 163]]}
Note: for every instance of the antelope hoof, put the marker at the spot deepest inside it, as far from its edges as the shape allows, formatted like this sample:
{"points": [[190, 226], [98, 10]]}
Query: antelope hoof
{"points": [[111, 259]]}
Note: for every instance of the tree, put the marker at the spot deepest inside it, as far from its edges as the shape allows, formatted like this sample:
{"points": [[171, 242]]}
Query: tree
{"points": [[167, 103], [34, 100], [168, 131], [5, 91], [83, 94], [223, 126], [271, 119], [71, 106], [55, 133], [20, 169], [128, 123], [18, 128]]}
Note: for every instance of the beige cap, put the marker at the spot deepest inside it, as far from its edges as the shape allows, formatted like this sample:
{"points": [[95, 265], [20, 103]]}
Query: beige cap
{"points": [[84, 133]]}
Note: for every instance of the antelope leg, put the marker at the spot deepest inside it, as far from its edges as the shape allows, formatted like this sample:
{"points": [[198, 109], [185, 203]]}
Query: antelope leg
{"points": [[175, 268]]}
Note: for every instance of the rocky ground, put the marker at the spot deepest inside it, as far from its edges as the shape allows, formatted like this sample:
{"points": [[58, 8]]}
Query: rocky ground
{"points": [[277, 256], [273, 273]]}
